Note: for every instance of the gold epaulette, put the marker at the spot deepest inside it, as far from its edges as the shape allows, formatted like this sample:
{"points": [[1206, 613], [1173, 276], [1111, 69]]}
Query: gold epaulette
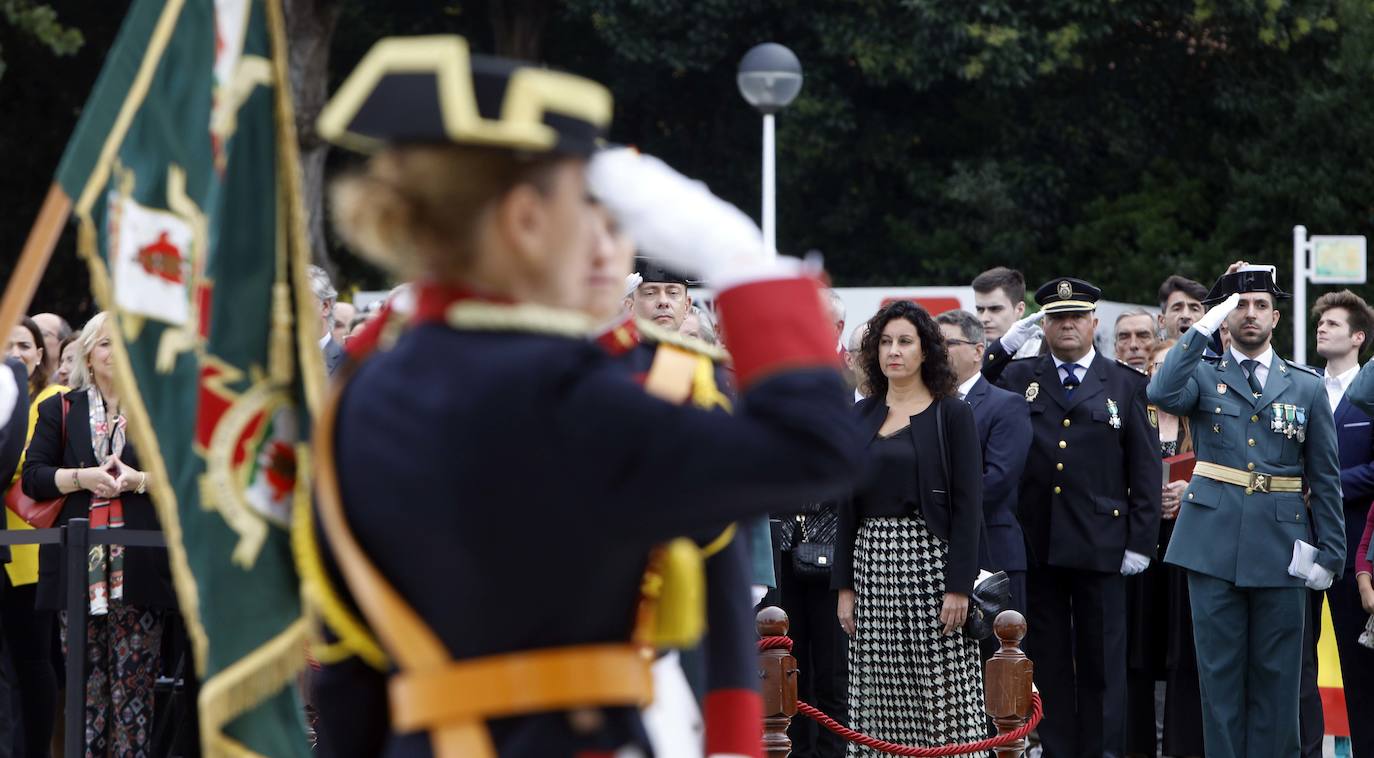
{"points": [[651, 332]]}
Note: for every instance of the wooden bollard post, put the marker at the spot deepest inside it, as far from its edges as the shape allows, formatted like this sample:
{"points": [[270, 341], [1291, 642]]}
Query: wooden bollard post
{"points": [[1007, 682], [778, 672]]}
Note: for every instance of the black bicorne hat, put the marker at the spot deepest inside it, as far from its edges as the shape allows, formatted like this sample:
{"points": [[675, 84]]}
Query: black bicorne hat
{"points": [[1067, 295], [1248, 279], [418, 90], [654, 271]]}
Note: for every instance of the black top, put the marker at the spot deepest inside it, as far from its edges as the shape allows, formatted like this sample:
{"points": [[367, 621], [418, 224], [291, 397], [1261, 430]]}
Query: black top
{"points": [[897, 480], [892, 489], [147, 575]]}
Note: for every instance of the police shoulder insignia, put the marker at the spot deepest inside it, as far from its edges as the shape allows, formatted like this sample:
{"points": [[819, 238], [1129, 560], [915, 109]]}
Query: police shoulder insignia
{"points": [[1032, 392]]}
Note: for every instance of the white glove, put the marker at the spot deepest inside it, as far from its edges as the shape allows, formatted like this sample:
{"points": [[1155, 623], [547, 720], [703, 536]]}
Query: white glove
{"points": [[756, 593], [1020, 331], [1211, 320], [1319, 578], [9, 393], [1133, 563], [676, 219], [632, 283]]}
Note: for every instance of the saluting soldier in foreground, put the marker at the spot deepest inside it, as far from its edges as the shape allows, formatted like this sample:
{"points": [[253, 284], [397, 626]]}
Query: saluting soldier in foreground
{"points": [[1089, 506], [482, 475], [1261, 426]]}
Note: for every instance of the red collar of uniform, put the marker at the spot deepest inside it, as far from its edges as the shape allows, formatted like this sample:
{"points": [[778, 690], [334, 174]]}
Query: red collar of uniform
{"points": [[620, 337], [432, 300]]}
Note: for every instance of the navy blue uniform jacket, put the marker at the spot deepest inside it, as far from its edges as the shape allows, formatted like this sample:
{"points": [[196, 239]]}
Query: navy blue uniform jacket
{"points": [[510, 486]]}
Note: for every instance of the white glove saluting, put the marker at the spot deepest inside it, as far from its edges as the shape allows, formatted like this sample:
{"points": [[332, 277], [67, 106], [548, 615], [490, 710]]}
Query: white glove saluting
{"points": [[1133, 563], [679, 221], [1211, 320], [1021, 331]]}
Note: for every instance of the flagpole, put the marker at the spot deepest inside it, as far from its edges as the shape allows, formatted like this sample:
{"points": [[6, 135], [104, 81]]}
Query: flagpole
{"points": [[33, 261]]}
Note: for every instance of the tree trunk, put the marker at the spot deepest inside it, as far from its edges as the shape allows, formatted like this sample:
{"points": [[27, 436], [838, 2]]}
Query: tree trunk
{"points": [[518, 26], [309, 31]]}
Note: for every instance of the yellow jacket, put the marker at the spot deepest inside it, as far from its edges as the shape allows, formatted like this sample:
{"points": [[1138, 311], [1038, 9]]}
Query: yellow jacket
{"points": [[23, 565]]}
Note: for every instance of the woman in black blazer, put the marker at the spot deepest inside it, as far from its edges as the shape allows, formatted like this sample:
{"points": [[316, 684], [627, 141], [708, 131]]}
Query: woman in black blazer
{"points": [[129, 589], [906, 554]]}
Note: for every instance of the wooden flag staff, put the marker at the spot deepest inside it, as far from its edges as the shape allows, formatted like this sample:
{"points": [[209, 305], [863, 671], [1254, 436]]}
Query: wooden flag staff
{"points": [[33, 261]]}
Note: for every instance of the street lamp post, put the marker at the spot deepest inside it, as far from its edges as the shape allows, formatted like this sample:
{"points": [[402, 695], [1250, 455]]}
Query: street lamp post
{"points": [[769, 78]]}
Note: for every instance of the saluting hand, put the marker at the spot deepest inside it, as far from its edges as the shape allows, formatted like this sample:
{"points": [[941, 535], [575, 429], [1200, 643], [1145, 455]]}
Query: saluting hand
{"points": [[1021, 331], [1212, 319], [954, 612]]}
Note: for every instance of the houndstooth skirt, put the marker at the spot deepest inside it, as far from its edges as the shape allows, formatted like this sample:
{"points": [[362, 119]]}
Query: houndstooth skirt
{"points": [[908, 682]]}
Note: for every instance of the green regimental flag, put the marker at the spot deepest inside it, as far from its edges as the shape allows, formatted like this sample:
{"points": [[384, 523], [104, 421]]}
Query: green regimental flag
{"points": [[184, 187]]}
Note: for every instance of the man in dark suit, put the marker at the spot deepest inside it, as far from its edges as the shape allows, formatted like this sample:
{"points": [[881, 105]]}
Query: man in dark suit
{"points": [[1344, 324], [1089, 503], [1004, 431], [325, 298]]}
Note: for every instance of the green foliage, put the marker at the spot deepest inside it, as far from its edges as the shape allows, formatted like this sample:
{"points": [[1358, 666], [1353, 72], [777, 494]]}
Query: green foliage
{"points": [[39, 20]]}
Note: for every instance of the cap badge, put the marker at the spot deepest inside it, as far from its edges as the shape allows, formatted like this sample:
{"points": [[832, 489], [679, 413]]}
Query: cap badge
{"points": [[1065, 290]]}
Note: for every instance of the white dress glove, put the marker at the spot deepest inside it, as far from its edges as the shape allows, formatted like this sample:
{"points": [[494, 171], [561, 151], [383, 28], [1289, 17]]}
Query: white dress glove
{"points": [[756, 593], [1133, 563], [1319, 578], [1020, 331], [678, 220], [9, 394], [1211, 320]]}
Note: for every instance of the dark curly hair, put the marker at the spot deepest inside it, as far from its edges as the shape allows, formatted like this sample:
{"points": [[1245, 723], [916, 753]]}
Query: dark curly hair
{"points": [[936, 372]]}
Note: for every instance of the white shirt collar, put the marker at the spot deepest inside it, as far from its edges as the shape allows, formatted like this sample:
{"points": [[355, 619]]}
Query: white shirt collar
{"points": [[1342, 381], [324, 341], [1083, 362], [1265, 358], [967, 386]]}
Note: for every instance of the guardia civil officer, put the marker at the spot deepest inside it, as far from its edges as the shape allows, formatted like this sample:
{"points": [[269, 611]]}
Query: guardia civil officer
{"points": [[482, 474], [1089, 506], [1261, 427]]}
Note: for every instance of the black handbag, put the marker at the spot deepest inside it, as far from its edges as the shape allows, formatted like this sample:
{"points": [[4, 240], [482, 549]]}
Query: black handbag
{"points": [[812, 557]]}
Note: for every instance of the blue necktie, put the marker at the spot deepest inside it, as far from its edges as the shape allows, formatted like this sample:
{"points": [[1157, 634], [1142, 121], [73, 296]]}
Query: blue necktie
{"points": [[1071, 380]]}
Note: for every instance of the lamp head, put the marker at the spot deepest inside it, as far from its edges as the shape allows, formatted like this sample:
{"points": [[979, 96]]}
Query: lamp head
{"points": [[769, 77]]}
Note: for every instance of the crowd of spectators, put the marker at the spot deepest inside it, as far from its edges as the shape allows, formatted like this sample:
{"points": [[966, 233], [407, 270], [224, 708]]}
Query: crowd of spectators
{"points": [[1136, 629]]}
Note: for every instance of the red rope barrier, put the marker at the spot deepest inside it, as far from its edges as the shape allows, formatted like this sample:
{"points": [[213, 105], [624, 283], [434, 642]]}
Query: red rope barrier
{"points": [[1037, 712]]}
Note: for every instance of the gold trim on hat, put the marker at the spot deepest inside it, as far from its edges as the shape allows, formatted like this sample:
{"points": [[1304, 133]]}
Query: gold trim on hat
{"points": [[530, 93], [1069, 305]]}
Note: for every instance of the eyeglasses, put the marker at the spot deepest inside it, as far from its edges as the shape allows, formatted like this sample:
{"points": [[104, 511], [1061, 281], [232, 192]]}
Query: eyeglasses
{"points": [[960, 342]]}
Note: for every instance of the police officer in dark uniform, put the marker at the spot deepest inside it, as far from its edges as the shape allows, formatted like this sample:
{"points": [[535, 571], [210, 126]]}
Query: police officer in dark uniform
{"points": [[1089, 505], [483, 475]]}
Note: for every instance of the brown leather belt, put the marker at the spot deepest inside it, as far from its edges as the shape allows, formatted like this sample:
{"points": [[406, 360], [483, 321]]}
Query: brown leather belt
{"points": [[524, 682], [1252, 481]]}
